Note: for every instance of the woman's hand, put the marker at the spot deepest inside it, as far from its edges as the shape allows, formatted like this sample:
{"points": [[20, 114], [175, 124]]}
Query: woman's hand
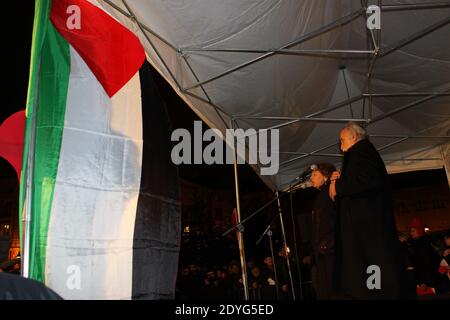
{"points": [[335, 175], [332, 192]]}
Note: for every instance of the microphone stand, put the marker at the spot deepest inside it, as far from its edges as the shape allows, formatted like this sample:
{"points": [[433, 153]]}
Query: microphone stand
{"points": [[240, 225], [291, 191], [268, 232], [283, 233], [241, 228]]}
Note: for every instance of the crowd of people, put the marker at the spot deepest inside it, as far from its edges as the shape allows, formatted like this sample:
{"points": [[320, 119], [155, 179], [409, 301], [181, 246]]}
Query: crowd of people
{"points": [[426, 260], [196, 282]]}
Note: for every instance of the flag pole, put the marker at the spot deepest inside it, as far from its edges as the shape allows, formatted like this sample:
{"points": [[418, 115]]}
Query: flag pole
{"points": [[28, 181], [26, 211], [25, 256]]}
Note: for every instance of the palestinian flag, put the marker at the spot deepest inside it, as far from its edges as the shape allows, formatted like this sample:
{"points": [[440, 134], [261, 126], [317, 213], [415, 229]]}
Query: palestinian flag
{"points": [[98, 183]]}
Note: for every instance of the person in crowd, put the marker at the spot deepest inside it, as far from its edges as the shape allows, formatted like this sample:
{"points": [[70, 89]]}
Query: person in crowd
{"points": [[211, 289], [194, 282], [408, 265], [444, 265], [425, 260], [224, 283], [250, 263], [367, 241], [444, 251], [268, 288], [283, 273], [235, 275], [256, 282], [183, 283]]}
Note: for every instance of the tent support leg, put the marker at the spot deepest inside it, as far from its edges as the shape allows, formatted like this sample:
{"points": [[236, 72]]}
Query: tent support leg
{"points": [[240, 234]]}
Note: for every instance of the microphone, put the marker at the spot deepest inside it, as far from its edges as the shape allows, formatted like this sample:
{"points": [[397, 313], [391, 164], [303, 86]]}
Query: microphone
{"points": [[303, 185], [305, 174]]}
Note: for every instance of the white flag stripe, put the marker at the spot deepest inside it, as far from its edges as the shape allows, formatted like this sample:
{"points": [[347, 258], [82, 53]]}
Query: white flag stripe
{"points": [[97, 188]]}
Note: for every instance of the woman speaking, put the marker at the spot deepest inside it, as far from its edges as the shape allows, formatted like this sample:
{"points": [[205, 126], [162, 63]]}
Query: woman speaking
{"points": [[323, 231]]}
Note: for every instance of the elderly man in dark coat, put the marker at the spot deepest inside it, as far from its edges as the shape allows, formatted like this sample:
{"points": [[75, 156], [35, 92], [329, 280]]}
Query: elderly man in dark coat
{"points": [[366, 233]]}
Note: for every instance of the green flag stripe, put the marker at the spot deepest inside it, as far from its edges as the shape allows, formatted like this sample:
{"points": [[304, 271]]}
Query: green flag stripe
{"points": [[52, 96], [54, 71], [41, 20]]}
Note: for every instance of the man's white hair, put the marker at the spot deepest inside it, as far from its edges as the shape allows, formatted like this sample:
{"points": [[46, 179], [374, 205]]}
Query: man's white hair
{"points": [[357, 130]]}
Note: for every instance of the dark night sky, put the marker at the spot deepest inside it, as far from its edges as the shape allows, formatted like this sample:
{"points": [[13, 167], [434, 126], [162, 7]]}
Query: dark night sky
{"points": [[17, 58], [17, 40]]}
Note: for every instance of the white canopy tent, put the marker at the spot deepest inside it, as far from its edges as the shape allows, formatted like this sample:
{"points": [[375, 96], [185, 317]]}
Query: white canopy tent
{"points": [[307, 67]]}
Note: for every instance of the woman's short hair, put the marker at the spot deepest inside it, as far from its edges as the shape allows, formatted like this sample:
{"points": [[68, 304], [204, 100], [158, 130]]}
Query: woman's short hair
{"points": [[326, 169]]}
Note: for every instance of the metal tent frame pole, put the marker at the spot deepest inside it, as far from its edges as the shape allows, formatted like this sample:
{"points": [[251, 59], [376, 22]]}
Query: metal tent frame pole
{"points": [[130, 14], [337, 23], [414, 37], [303, 155], [240, 230], [133, 17], [415, 6]]}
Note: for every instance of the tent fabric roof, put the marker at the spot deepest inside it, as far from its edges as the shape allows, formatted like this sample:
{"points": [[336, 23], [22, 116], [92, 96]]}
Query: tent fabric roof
{"points": [[307, 67]]}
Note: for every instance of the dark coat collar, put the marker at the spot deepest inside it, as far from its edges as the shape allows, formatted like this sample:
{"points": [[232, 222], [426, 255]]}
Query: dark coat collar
{"points": [[362, 144]]}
